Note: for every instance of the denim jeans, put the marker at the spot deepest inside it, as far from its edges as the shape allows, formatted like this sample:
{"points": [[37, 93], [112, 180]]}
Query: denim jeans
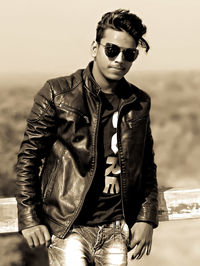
{"points": [[91, 245]]}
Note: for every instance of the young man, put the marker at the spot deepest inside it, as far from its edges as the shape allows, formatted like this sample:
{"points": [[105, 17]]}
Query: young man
{"points": [[86, 175]]}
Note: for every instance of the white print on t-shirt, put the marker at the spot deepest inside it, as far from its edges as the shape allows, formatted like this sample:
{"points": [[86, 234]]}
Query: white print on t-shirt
{"points": [[113, 170], [111, 182], [114, 137]]}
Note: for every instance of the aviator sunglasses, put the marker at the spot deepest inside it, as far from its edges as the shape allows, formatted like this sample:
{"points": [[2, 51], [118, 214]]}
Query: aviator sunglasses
{"points": [[112, 50]]}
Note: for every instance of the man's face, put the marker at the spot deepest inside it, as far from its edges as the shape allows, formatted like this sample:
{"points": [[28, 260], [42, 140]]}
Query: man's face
{"points": [[116, 67]]}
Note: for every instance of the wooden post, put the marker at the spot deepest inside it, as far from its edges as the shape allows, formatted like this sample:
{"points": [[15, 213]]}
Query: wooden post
{"points": [[174, 204], [8, 215], [179, 203]]}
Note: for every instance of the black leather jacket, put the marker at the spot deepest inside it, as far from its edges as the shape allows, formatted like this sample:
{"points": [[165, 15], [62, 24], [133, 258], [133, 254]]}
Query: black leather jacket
{"points": [[58, 156]]}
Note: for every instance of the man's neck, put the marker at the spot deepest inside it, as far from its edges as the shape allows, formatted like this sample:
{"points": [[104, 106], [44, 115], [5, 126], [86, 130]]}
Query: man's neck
{"points": [[106, 85]]}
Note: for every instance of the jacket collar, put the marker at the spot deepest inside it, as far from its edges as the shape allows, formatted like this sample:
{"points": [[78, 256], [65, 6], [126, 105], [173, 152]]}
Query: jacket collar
{"points": [[127, 93], [90, 82]]}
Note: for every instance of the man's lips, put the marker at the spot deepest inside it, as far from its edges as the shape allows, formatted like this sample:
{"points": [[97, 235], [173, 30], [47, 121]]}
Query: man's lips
{"points": [[118, 68]]}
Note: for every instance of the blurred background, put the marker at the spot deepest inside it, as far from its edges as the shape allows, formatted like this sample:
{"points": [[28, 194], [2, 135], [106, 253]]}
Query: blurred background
{"points": [[43, 39]]}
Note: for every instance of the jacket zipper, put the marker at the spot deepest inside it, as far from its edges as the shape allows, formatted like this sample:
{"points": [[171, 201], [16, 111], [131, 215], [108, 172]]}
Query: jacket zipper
{"points": [[121, 152], [95, 160], [120, 149]]}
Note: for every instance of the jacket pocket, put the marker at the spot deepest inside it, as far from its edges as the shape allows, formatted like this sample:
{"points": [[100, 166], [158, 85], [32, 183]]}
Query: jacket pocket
{"points": [[135, 123], [135, 131], [72, 114], [48, 179]]}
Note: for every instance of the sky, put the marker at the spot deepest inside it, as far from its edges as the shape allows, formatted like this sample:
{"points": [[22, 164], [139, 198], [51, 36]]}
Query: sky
{"points": [[54, 36]]}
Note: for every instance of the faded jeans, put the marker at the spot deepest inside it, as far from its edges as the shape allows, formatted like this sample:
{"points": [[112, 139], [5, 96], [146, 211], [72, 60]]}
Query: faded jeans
{"points": [[91, 245]]}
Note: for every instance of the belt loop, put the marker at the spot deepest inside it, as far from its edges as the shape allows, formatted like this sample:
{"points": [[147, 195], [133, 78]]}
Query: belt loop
{"points": [[118, 224]]}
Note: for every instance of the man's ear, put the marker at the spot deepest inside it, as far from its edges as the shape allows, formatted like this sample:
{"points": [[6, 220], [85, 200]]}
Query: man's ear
{"points": [[94, 48]]}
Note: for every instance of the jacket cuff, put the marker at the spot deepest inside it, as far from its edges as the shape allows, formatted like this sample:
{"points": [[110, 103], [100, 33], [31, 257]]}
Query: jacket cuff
{"points": [[27, 221], [148, 217]]}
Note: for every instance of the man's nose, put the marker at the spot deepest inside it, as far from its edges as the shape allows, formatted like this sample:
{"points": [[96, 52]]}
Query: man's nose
{"points": [[119, 57]]}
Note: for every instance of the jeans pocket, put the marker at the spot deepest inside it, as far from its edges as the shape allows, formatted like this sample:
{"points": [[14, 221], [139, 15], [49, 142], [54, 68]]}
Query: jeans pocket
{"points": [[125, 231]]}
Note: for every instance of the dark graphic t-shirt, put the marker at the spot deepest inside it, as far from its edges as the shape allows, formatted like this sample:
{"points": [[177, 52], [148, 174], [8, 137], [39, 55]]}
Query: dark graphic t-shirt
{"points": [[103, 202]]}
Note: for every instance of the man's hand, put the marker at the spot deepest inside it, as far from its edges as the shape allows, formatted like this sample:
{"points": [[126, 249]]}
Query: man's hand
{"points": [[37, 236], [141, 239]]}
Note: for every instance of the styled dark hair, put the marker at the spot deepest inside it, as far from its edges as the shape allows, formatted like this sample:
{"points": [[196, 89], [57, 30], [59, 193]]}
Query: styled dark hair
{"points": [[122, 19]]}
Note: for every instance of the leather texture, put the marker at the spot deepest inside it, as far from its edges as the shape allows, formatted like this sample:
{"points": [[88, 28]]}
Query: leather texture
{"points": [[58, 155]]}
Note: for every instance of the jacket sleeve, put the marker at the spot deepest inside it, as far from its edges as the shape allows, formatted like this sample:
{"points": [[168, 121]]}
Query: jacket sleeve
{"points": [[38, 138], [149, 208]]}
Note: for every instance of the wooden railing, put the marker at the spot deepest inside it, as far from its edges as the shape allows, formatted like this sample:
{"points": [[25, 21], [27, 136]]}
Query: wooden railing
{"points": [[174, 204]]}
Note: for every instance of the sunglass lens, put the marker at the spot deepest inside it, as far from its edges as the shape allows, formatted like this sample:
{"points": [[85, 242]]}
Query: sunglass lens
{"points": [[130, 54], [111, 50]]}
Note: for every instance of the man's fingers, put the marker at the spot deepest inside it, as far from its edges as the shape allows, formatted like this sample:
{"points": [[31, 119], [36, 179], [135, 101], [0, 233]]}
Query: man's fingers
{"points": [[149, 248], [140, 250], [30, 241], [137, 250], [35, 240], [139, 256], [40, 236], [27, 233], [37, 236], [47, 236], [134, 242], [142, 239]]}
